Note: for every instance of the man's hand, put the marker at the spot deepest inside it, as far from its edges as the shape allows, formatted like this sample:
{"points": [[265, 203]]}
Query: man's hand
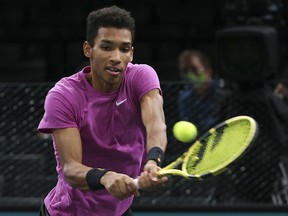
{"points": [[119, 185], [148, 180]]}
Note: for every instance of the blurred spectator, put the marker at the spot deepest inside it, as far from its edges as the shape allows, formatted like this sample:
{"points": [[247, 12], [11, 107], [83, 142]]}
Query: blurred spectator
{"points": [[197, 100], [280, 102], [281, 91]]}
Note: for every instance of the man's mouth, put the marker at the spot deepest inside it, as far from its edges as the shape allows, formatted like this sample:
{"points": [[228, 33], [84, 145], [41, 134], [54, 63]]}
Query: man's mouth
{"points": [[113, 70]]}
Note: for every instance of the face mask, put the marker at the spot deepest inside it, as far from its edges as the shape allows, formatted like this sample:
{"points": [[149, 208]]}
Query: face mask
{"points": [[191, 76]]}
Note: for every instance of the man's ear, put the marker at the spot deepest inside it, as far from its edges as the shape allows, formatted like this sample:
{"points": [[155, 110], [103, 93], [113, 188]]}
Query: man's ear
{"points": [[132, 53], [87, 49]]}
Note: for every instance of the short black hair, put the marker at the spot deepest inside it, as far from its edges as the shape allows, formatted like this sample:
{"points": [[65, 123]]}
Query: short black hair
{"points": [[108, 17]]}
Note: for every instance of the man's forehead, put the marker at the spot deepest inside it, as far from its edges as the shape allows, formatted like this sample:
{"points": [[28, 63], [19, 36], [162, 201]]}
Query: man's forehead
{"points": [[111, 34]]}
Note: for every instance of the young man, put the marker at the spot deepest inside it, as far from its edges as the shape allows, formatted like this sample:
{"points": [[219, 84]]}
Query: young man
{"points": [[107, 123]]}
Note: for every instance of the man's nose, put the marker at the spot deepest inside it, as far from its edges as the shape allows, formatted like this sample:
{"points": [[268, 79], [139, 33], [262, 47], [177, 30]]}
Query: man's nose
{"points": [[115, 56]]}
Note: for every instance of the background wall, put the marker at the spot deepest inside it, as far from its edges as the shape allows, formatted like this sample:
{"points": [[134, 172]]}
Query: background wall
{"points": [[42, 40]]}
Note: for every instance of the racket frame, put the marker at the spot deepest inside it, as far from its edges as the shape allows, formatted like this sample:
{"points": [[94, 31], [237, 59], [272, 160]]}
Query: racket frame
{"points": [[170, 169]]}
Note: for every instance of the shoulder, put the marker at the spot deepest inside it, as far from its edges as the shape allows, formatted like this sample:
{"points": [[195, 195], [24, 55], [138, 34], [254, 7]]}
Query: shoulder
{"points": [[139, 68], [69, 84], [67, 90], [141, 78], [140, 71]]}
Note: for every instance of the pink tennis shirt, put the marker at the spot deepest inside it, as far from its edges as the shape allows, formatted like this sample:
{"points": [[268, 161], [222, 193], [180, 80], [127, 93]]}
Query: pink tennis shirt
{"points": [[112, 134]]}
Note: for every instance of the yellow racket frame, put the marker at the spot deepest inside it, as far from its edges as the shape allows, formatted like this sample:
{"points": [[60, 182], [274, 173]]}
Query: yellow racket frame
{"points": [[170, 169]]}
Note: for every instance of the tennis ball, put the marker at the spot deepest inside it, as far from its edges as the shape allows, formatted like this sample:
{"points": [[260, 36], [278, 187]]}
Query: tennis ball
{"points": [[184, 131]]}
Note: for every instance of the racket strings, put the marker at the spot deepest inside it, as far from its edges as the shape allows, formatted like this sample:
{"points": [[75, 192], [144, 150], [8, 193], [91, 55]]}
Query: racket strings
{"points": [[219, 148]]}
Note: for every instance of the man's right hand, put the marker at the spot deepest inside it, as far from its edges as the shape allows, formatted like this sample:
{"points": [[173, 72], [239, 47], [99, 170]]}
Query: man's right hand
{"points": [[120, 186]]}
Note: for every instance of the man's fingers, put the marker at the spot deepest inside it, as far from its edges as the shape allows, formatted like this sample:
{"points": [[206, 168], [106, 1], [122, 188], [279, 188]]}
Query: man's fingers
{"points": [[132, 188], [153, 177], [136, 193]]}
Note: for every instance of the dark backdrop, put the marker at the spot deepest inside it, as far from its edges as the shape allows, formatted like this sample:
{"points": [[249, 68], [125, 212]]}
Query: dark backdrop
{"points": [[42, 40]]}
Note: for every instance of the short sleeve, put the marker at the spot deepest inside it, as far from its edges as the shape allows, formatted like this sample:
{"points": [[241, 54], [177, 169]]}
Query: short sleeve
{"points": [[145, 80], [58, 113]]}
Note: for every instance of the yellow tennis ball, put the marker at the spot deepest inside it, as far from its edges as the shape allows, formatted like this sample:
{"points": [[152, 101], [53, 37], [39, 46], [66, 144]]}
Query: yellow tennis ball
{"points": [[184, 131]]}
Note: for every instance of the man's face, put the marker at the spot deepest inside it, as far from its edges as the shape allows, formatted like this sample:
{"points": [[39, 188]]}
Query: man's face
{"points": [[109, 56], [194, 64], [193, 70]]}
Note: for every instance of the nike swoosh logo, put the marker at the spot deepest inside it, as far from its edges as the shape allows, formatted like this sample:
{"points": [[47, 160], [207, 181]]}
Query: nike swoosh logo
{"points": [[118, 103]]}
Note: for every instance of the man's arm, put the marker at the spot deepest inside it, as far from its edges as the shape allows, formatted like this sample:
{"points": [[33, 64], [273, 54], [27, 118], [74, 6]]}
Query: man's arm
{"points": [[69, 146], [154, 121]]}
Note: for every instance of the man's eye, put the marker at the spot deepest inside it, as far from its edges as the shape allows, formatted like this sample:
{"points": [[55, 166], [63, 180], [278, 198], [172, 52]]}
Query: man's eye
{"points": [[125, 50], [106, 48]]}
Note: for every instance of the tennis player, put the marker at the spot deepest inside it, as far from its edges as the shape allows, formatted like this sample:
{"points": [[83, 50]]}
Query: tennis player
{"points": [[107, 123]]}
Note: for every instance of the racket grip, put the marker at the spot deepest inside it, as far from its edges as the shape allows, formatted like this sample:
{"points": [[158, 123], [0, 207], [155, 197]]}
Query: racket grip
{"points": [[136, 183]]}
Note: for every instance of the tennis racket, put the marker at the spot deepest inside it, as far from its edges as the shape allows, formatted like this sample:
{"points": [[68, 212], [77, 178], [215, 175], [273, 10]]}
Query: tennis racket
{"points": [[215, 150]]}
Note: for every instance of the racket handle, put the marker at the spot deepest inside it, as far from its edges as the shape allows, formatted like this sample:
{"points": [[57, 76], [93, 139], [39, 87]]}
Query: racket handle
{"points": [[136, 183]]}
